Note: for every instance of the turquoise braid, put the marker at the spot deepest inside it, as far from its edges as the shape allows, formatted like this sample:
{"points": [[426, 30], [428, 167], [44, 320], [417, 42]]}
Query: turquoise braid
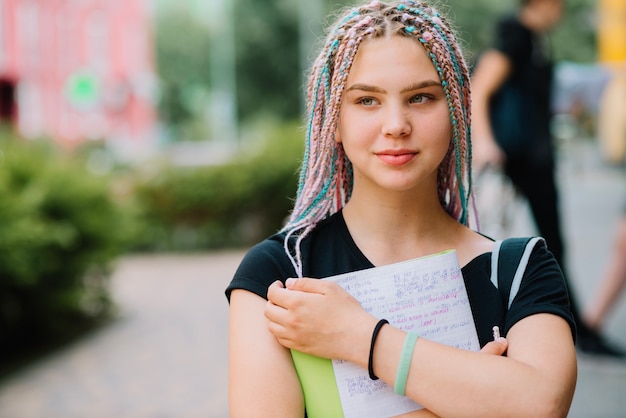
{"points": [[463, 194]]}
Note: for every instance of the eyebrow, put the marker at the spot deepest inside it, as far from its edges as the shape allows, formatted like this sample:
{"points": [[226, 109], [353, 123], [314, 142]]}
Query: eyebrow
{"points": [[410, 87]]}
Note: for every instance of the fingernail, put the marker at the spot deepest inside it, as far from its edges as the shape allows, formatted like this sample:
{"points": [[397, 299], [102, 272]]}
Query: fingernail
{"points": [[290, 282]]}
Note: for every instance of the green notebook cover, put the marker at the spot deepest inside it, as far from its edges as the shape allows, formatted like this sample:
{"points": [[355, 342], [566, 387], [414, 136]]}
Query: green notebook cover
{"points": [[317, 377]]}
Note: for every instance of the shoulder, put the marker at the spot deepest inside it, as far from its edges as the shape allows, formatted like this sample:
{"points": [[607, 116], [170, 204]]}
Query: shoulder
{"points": [[541, 261], [270, 260], [270, 252], [263, 264], [471, 244], [542, 289], [512, 38], [510, 25]]}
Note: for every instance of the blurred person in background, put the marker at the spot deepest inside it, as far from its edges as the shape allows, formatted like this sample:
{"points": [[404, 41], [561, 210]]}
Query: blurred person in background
{"points": [[612, 137], [512, 86], [612, 283]]}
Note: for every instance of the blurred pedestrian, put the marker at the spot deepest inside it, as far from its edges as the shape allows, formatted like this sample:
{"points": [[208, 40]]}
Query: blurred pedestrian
{"points": [[512, 87], [613, 281], [386, 177]]}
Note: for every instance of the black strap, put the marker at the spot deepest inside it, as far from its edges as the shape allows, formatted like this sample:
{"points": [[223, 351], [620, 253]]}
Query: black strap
{"points": [[511, 252], [512, 256]]}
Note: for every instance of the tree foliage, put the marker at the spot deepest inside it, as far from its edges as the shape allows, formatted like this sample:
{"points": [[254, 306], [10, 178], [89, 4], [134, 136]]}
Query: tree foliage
{"points": [[268, 73], [61, 227], [182, 60], [268, 57]]}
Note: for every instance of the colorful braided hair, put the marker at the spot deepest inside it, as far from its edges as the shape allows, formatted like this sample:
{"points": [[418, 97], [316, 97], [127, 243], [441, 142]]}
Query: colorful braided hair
{"points": [[326, 178]]}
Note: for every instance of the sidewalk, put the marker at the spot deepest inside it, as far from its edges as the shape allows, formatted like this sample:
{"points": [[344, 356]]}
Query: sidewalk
{"points": [[166, 355]]}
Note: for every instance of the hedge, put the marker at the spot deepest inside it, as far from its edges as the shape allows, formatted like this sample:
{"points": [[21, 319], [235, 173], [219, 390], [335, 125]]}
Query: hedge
{"points": [[230, 205], [60, 229]]}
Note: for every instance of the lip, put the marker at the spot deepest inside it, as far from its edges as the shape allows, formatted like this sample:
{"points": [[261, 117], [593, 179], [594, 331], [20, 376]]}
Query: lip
{"points": [[396, 157]]}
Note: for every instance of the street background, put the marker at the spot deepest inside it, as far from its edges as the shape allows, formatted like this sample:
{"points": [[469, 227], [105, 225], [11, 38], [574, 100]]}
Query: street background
{"points": [[166, 353]]}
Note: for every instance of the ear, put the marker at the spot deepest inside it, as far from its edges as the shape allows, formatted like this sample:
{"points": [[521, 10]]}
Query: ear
{"points": [[338, 134]]}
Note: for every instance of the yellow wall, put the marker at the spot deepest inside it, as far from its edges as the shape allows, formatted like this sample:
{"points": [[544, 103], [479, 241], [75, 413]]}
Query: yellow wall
{"points": [[612, 31], [612, 52]]}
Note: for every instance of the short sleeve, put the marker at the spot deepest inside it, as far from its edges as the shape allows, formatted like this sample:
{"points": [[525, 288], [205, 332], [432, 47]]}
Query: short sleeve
{"points": [[265, 263], [512, 40], [543, 290]]}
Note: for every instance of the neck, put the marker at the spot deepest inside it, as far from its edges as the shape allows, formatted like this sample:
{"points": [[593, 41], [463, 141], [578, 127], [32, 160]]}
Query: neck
{"points": [[398, 226]]}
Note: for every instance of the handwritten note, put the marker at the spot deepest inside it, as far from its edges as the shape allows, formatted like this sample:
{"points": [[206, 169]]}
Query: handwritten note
{"points": [[426, 295]]}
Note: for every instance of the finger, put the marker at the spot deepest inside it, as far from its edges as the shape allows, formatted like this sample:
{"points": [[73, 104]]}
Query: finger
{"points": [[280, 333], [496, 347], [275, 314], [274, 291], [276, 285], [308, 285], [277, 324]]}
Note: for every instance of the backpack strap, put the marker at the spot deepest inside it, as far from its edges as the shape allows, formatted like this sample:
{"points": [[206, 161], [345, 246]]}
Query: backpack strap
{"points": [[509, 259]]}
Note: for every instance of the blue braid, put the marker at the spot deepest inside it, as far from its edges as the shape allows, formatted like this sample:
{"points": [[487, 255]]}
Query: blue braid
{"points": [[324, 76], [455, 128], [443, 35], [464, 195]]}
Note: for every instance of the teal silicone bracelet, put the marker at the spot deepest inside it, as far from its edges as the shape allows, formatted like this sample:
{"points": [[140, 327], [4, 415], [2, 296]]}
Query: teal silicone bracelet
{"points": [[405, 362]]}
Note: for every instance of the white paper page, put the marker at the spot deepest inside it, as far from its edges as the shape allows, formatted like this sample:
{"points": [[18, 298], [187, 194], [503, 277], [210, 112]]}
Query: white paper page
{"points": [[425, 295]]}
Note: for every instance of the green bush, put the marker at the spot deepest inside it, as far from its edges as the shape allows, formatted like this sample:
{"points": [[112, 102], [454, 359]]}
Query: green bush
{"points": [[229, 205], [60, 228]]}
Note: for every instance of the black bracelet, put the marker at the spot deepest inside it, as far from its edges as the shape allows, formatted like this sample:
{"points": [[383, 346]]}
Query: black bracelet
{"points": [[370, 366]]}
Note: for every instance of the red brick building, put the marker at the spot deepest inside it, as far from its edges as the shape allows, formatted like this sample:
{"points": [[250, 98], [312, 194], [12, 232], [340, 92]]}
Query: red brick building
{"points": [[75, 70]]}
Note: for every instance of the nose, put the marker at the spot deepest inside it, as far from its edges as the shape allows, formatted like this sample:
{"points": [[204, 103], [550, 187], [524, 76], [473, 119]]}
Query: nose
{"points": [[396, 123]]}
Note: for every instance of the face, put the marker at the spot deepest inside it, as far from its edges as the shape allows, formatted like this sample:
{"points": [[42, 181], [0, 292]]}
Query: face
{"points": [[394, 122], [555, 11], [550, 11]]}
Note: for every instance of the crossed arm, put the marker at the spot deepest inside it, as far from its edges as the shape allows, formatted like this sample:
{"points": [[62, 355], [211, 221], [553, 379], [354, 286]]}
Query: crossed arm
{"points": [[536, 378]]}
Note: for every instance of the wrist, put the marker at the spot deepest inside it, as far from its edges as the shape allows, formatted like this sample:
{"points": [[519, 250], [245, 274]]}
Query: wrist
{"points": [[358, 347], [370, 361]]}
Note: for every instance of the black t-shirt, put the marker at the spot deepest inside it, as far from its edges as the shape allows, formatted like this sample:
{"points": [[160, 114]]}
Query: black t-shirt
{"points": [[330, 250], [532, 73]]}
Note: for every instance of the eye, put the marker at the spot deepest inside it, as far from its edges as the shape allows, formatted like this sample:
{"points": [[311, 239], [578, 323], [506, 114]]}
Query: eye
{"points": [[419, 98], [367, 101]]}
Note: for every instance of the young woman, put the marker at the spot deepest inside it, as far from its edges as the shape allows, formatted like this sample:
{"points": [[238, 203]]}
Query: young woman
{"points": [[386, 178]]}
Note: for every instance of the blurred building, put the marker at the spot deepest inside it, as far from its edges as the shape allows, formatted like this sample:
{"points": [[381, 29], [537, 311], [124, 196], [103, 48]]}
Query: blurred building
{"points": [[612, 31], [76, 70], [612, 52]]}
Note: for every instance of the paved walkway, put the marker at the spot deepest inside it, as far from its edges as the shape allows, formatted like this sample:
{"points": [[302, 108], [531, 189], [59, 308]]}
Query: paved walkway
{"points": [[166, 355]]}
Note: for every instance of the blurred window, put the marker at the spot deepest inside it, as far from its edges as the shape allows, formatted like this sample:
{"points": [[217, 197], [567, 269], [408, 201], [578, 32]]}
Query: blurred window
{"points": [[2, 29], [97, 34], [27, 23], [7, 101]]}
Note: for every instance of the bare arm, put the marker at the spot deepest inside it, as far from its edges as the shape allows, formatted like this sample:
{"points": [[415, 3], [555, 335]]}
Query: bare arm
{"points": [[262, 381], [536, 379], [491, 72], [613, 284]]}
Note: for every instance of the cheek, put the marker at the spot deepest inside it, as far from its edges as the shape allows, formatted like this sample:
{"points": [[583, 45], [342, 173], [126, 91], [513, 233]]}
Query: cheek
{"points": [[438, 135], [353, 129], [338, 132]]}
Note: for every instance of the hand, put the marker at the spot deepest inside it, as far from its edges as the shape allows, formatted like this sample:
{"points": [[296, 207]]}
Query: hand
{"points": [[486, 152], [317, 317]]}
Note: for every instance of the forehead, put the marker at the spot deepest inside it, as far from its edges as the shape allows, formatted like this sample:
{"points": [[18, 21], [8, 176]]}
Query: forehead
{"points": [[391, 57]]}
